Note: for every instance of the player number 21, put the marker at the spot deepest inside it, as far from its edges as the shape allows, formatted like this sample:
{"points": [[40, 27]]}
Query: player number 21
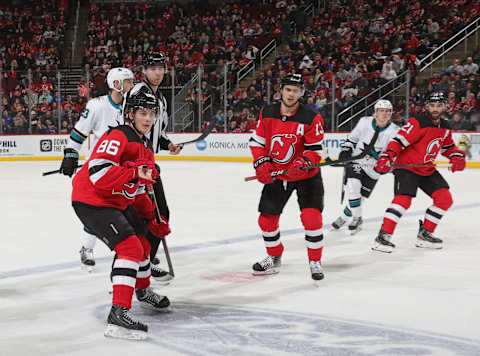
{"points": [[109, 146], [407, 128]]}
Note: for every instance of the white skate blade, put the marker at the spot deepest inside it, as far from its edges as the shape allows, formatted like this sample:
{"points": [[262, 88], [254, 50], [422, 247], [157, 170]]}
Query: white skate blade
{"points": [[88, 269], [356, 231], [266, 273], [333, 228], [159, 283], [426, 244], [382, 248], [118, 332], [149, 307]]}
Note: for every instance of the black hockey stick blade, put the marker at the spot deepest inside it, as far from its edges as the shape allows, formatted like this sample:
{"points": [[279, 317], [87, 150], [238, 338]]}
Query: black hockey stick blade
{"points": [[56, 171], [204, 134]]}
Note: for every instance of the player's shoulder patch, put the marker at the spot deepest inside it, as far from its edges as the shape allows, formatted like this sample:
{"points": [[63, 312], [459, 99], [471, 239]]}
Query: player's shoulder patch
{"points": [[271, 111], [304, 115], [128, 132]]}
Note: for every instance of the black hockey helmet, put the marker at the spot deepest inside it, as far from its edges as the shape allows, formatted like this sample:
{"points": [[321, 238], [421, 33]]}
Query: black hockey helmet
{"points": [[293, 79], [437, 97], [140, 100], [154, 59]]}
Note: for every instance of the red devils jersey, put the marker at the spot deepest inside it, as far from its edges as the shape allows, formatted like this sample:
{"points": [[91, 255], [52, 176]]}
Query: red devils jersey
{"points": [[104, 181], [420, 141], [283, 138]]}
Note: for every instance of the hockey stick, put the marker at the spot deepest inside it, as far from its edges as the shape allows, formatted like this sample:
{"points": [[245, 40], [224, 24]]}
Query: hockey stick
{"points": [[57, 171], [164, 242], [344, 182], [328, 161], [204, 134]]}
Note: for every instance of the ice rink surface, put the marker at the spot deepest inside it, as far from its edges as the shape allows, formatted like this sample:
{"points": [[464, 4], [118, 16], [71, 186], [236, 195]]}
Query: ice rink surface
{"points": [[411, 302]]}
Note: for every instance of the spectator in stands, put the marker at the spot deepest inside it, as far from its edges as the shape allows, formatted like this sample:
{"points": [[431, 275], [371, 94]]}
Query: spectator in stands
{"points": [[455, 67], [459, 123], [470, 67], [388, 74], [432, 26]]}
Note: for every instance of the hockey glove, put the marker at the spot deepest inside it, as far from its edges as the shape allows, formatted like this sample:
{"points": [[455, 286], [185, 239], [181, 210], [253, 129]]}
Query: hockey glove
{"points": [[145, 170], [297, 170], [385, 162], [457, 161], [70, 162], [345, 154], [159, 230], [263, 169]]}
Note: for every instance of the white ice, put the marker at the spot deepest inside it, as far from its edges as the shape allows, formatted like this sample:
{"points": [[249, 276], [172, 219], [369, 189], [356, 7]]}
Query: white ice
{"points": [[411, 302]]}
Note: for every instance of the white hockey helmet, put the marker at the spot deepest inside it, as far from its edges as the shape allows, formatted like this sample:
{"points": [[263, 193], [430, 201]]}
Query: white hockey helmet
{"points": [[383, 104], [118, 74]]}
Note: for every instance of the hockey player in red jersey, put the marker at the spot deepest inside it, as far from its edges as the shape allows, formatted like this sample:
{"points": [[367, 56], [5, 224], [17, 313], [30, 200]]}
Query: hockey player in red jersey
{"points": [[418, 143], [289, 136], [109, 196]]}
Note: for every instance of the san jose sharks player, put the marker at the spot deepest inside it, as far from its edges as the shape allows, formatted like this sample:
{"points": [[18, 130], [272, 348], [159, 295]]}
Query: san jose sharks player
{"points": [[361, 177], [99, 114]]}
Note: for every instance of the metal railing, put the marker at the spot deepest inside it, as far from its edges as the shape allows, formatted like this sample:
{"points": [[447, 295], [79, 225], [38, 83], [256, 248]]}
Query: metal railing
{"points": [[452, 42], [265, 52], [245, 70], [75, 30], [366, 101]]}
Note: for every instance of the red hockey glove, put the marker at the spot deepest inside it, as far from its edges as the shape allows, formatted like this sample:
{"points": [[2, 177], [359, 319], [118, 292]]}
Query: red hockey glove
{"points": [[296, 171], [159, 230], [457, 161], [264, 169], [385, 162], [145, 170]]}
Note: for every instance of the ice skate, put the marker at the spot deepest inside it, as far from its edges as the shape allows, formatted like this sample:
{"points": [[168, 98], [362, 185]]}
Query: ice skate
{"points": [[382, 243], [86, 258], [269, 265], [160, 275], [337, 224], [425, 239], [355, 226], [316, 270], [121, 325], [150, 300]]}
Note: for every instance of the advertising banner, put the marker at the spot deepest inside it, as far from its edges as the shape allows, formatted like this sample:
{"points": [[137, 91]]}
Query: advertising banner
{"points": [[215, 147]]}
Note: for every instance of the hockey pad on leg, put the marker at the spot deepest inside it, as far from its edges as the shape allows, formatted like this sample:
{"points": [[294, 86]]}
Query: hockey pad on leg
{"points": [[124, 271], [313, 223]]}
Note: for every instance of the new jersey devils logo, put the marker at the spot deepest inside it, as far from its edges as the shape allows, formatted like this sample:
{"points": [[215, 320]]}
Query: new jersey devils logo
{"points": [[128, 191], [432, 150], [283, 147]]}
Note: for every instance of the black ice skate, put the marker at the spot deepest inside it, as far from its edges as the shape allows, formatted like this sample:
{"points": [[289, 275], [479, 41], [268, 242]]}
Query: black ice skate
{"points": [[316, 270], [160, 274], [355, 226], [121, 325], [269, 265], [86, 258], [150, 300], [337, 224], [425, 239], [382, 242]]}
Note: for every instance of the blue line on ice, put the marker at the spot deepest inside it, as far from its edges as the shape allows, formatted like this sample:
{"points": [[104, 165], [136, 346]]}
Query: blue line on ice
{"points": [[195, 246]]}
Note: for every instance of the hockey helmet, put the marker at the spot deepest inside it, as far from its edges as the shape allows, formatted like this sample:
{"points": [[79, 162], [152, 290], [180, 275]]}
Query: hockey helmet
{"points": [[293, 79], [118, 74], [140, 100], [154, 59], [437, 97], [383, 104]]}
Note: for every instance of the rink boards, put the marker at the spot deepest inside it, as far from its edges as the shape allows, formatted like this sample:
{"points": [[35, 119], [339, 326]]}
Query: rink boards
{"points": [[215, 147]]}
